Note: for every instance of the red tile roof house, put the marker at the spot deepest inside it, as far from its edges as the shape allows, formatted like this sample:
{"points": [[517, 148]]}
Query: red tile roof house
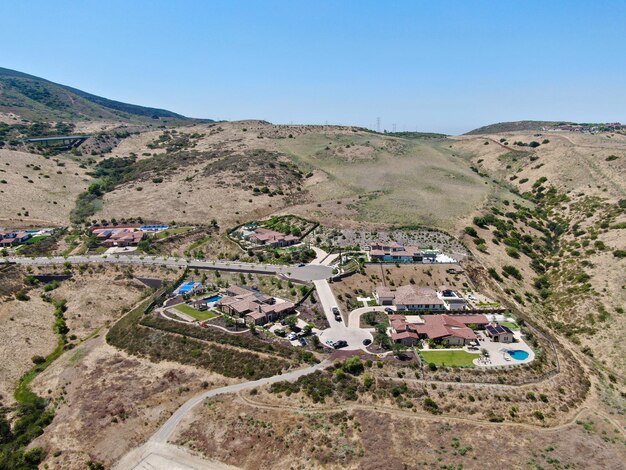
{"points": [[13, 238], [410, 298], [119, 236], [449, 329], [264, 236], [257, 307], [407, 338]]}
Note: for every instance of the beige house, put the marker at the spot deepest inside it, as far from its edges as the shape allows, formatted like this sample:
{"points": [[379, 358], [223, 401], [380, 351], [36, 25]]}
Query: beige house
{"points": [[255, 306], [499, 333]]}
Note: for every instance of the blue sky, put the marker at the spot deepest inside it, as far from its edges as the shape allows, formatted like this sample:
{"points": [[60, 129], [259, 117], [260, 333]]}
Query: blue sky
{"points": [[446, 66]]}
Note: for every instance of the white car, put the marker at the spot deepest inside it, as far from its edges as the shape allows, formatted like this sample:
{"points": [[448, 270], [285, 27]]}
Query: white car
{"points": [[292, 336]]}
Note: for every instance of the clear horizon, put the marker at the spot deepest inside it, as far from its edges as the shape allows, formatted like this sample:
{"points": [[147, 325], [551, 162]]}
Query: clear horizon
{"points": [[447, 67]]}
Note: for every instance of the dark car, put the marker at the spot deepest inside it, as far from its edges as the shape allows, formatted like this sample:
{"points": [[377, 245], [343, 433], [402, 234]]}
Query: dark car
{"points": [[301, 265], [335, 311], [340, 344], [302, 341], [338, 317], [367, 342], [389, 310]]}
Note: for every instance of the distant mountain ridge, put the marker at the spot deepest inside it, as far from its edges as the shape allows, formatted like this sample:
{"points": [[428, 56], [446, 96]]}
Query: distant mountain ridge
{"points": [[36, 98]]}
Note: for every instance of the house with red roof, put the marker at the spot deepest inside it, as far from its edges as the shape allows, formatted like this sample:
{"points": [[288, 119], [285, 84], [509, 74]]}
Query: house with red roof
{"points": [[256, 307], [265, 236], [453, 330]]}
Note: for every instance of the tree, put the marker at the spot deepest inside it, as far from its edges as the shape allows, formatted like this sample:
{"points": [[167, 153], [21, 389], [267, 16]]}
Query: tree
{"points": [[291, 321], [92, 242], [370, 318], [37, 359], [5, 430], [471, 231], [353, 366], [380, 336]]}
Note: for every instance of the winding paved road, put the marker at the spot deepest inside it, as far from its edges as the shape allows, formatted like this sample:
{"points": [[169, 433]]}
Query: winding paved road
{"points": [[154, 449], [307, 273]]}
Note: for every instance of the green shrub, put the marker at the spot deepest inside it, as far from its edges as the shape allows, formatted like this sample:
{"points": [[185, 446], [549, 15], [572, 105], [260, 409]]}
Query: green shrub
{"points": [[22, 296], [509, 270], [494, 274], [353, 366], [471, 231], [431, 406]]}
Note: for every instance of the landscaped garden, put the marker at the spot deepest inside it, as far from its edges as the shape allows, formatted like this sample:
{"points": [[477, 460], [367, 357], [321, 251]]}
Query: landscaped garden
{"points": [[197, 314], [449, 358]]}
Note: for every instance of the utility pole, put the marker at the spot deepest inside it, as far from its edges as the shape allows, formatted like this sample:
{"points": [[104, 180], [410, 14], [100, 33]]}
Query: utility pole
{"points": [[394, 127], [377, 124]]}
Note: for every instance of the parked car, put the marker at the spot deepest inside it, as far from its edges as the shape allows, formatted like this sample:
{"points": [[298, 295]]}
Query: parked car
{"points": [[338, 317], [336, 311], [301, 265], [340, 344], [279, 332], [302, 341], [292, 336], [367, 342], [389, 310]]}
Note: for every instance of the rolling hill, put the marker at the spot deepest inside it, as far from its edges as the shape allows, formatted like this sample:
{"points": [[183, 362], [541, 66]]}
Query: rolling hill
{"points": [[37, 99], [514, 126]]}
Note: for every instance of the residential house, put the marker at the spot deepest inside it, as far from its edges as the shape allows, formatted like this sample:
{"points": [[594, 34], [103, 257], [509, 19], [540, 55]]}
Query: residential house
{"points": [[452, 299], [450, 329], [394, 252], [264, 236], [12, 238], [411, 298], [384, 295], [406, 338], [499, 333], [255, 306], [119, 235]]}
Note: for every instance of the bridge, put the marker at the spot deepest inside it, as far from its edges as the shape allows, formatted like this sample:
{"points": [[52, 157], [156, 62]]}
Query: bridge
{"points": [[66, 141]]}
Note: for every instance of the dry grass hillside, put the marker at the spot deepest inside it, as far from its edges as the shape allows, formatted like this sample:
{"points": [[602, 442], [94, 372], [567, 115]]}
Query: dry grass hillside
{"points": [[573, 184], [38, 191], [370, 178]]}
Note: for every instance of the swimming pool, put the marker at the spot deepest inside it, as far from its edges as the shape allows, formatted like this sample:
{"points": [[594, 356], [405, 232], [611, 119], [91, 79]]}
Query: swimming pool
{"points": [[187, 287], [213, 298], [518, 354]]}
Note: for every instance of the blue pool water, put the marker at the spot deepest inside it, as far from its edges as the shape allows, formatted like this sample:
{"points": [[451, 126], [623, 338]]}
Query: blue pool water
{"points": [[187, 287], [518, 354], [213, 298]]}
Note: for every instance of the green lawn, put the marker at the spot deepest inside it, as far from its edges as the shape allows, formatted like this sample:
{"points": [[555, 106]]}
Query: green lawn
{"points": [[197, 314], [510, 325], [32, 241], [449, 358], [173, 231], [35, 239]]}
